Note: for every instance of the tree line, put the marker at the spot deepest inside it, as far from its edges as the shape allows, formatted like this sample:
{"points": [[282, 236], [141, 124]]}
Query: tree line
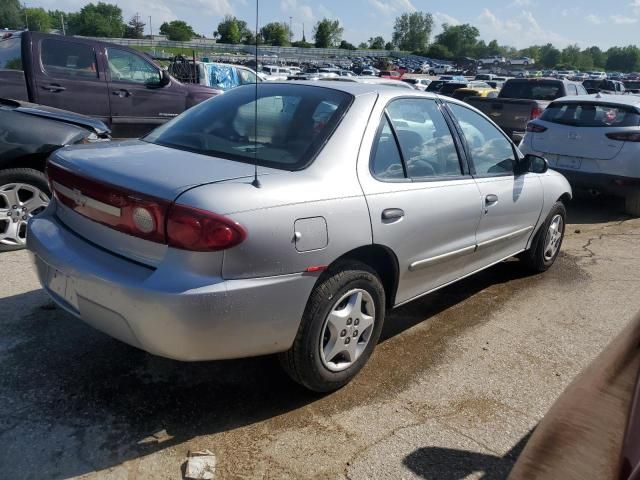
{"points": [[412, 32]]}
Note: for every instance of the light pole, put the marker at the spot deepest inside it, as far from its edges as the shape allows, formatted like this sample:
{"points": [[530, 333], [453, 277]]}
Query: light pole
{"points": [[290, 29]]}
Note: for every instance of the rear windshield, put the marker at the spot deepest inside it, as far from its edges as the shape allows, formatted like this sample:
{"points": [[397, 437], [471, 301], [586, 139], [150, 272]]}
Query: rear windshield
{"points": [[591, 115], [10, 54], [633, 85], [532, 90], [292, 124], [462, 94], [435, 85], [452, 87]]}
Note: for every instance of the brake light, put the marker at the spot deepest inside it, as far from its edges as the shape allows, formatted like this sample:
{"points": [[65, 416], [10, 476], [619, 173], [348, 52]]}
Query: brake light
{"points": [[190, 228], [624, 136], [535, 112], [535, 128]]}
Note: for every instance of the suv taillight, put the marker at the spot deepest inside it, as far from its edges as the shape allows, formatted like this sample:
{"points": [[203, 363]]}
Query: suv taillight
{"points": [[535, 112], [624, 136], [535, 128], [190, 228]]}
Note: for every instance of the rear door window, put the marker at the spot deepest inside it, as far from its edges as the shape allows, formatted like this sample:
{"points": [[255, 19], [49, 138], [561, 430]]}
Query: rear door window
{"points": [[589, 114], [69, 59], [572, 90], [10, 54]]}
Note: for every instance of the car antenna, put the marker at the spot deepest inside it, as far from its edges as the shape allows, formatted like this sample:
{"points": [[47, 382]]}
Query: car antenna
{"points": [[256, 182]]}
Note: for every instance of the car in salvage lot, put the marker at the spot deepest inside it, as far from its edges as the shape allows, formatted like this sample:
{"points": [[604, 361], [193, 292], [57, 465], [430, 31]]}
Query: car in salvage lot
{"points": [[594, 141], [29, 133], [226, 234]]}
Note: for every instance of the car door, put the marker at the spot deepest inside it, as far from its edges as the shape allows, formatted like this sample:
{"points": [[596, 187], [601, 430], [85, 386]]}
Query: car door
{"points": [[68, 76], [423, 203], [511, 204], [139, 100]]}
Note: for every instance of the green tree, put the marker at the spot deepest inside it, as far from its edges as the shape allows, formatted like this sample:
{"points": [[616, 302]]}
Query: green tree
{"points": [[458, 39], [363, 46], [493, 48], [11, 15], [177, 30], [135, 28], [327, 33], [302, 44], [234, 31], [412, 31], [598, 57], [38, 19], [376, 43], [571, 56], [549, 56], [346, 45], [532, 52], [389, 46], [56, 17], [276, 33], [623, 59], [97, 20], [438, 51]]}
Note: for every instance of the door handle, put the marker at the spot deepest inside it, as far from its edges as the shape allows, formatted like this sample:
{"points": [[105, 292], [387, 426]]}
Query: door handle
{"points": [[54, 87], [392, 214], [491, 199], [122, 93]]}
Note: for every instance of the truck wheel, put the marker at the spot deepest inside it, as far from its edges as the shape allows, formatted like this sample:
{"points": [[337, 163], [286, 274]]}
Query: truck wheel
{"points": [[340, 328], [24, 192], [632, 204], [545, 246]]}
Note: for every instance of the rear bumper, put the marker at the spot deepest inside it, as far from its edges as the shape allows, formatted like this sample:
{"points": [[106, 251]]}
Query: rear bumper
{"points": [[602, 183], [169, 313]]}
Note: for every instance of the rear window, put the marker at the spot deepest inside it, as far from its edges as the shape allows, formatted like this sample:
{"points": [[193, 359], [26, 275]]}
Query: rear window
{"points": [[292, 124], [10, 54], [591, 115], [452, 87], [435, 86], [461, 95], [532, 90], [61, 57]]}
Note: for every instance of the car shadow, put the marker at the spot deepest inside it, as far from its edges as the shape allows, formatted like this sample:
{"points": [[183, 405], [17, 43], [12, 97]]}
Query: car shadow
{"points": [[585, 209], [453, 464]]}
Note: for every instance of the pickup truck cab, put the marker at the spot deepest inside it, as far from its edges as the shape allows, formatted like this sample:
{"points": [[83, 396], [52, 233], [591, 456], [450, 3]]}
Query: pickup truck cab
{"points": [[120, 86], [523, 99]]}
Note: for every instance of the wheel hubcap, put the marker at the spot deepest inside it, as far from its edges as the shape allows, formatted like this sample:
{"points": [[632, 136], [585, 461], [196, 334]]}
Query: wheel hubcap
{"points": [[554, 237], [18, 203], [347, 330]]}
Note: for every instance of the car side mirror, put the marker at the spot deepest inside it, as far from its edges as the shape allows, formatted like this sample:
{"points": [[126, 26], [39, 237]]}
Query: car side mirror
{"points": [[532, 164], [165, 78]]}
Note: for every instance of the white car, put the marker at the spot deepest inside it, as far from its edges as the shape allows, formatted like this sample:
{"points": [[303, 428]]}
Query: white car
{"points": [[597, 75], [594, 141], [418, 83], [497, 60], [521, 61], [440, 69]]}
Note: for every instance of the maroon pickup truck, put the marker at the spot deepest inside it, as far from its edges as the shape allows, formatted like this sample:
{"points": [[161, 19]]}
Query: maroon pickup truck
{"points": [[122, 87]]}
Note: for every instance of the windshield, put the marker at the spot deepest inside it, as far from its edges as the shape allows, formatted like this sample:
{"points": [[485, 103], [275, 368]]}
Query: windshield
{"points": [[435, 85], [293, 122], [532, 90], [10, 54], [590, 114]]}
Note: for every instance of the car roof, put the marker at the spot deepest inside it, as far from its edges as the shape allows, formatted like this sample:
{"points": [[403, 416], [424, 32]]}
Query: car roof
{"points": [[628, 100], [357, 88]]}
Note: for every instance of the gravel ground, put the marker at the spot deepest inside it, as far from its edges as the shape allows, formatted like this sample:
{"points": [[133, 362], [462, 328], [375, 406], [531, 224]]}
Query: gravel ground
{"points": [[458, 382]]}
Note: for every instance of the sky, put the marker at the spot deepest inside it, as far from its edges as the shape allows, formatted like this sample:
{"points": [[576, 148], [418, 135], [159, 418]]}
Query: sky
{"points": [[517, 23]]}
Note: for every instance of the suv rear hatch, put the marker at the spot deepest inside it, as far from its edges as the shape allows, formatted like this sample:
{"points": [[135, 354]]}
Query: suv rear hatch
{"points": [[585, 129]]}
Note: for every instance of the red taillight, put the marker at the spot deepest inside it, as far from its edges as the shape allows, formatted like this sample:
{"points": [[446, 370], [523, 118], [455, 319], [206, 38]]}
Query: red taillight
{"points": [[535, 112], [190, 228], [624, 136], [535, 128], [144, 216]]}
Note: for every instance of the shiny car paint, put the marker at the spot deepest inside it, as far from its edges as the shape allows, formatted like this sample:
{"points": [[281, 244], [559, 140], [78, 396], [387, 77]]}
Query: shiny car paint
{"points": [[249, 300]]}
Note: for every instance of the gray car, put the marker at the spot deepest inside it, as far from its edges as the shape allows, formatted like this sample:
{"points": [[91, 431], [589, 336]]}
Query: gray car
{"points": [[289, 224]]}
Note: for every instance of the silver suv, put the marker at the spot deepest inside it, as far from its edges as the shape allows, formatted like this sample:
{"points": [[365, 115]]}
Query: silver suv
{"points": [[289, 219]]}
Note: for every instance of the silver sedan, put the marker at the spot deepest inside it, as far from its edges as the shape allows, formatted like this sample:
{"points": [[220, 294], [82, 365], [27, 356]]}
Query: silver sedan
{"points": [[289, 219]]}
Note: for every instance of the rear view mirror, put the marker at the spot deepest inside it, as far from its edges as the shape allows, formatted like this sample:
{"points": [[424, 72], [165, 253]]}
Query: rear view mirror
{"points": [[165, 78], [532, 164]]}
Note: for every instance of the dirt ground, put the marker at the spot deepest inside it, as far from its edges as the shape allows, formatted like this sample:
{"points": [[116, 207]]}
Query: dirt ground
{"points": [[455, 387]]}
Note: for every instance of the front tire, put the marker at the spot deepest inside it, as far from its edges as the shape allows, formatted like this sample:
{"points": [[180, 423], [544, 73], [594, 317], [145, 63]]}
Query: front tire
{"points": [[340, 328], [547, 242], [24, 192]]}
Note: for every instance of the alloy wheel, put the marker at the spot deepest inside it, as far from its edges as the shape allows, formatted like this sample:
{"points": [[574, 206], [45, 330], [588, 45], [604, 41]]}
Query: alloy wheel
{"points": [[554, 237], [18, 203]]}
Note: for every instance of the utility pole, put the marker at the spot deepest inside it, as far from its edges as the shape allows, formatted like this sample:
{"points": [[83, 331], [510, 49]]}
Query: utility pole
{"points": [[151, 32], [26, 19], [62, 24], [290, 29]]}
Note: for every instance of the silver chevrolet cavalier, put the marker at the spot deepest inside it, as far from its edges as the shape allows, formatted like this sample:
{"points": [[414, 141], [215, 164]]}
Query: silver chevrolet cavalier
{"points": [[288, 218]]}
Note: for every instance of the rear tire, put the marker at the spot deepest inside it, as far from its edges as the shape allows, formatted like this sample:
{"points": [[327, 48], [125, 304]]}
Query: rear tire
{"points": [[546, 245], [16, 186], [632, 204], [325, 356]]}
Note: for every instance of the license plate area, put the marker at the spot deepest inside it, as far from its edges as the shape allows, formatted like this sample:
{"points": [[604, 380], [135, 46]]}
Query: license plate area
{"points": [[62, 286], [569, 162]]}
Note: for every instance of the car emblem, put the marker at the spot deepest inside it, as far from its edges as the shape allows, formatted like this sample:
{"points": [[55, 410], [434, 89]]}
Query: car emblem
{"points": [[78, 198], [573, 136]]}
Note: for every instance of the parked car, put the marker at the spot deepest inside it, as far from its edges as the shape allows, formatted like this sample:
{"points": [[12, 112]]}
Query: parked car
{"points": [[320, 223], [120, 86], [632, 86], [435, 86], [597, 75], [220, 76], [593, 429], [372, 81], [28, 134], [453, 78], [521, 100], [495, 60], [525, 61], [418, 83], [611, 87], [594, 142], [485, 77], [450, 88], [485, 90], [440, 69], [391, 74]]}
